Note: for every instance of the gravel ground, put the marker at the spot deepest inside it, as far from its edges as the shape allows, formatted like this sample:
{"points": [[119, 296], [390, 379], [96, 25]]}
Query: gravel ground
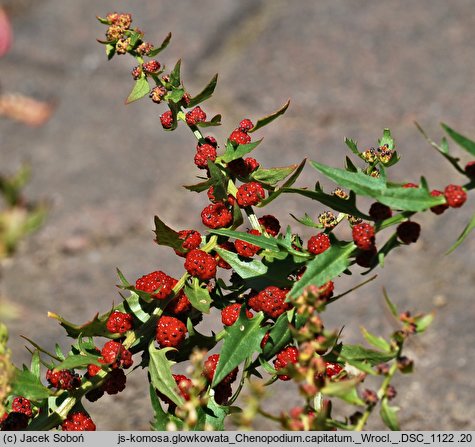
{"points": [[350, 70]]}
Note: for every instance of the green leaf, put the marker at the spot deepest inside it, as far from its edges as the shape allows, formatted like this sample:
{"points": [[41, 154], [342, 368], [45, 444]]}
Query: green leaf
{"points": [[166, 236], [347, 206], [242, 339], [387, 139], [141, 89], [377, 342], [359, 353], [26, 384], [206, 93], [265, 242], [199, 187], [362, 366], [274, 175], [390, 304], [215, 121], [35, 364], [212, 415], [164, 44], [423, 322], [161, 375], [257, 274], [407, 199], [280, 335], [78, 361], [289, 182], [175, 94], [218, 181], [233, 153], [94, 328], [268, 119], [461, 140], [103, 20], [307, 221], [388, 415], [443, 149], [175, 76], [466, 231], [352, 145], [110, 51], [324, 267], [199, 296], [345, 390]]}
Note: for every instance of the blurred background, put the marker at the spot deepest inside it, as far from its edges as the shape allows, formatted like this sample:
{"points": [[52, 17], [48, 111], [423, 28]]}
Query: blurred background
{"points": [[350, 70]]}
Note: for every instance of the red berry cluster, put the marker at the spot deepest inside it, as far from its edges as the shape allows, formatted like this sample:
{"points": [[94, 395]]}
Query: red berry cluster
{"points": [[200, 264], [271, 301]]}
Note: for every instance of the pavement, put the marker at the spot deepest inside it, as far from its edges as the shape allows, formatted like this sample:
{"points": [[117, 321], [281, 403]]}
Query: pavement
{"points": [[350, 69]]}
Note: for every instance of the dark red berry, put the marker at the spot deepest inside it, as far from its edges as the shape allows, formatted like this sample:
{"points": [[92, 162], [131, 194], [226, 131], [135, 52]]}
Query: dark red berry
{"points": [[209, 368], [250, 194], [239, 137], [230, 314], [205, 152], [289, 355], [158, 282], [318, 243], [195, 116], [184, 386], [115, 354], [151, 67], [78, 421], [115, 382], [200, 264], [179, 305], [65, 379], [470, 169], [251, 164], [365, 258], [271, 301], [246, 125], [378, 211], [170, 332], [455, 195], [222, 393], [166, 119], [364, 236], [119, 322], [191, 240], [216, 215], [247, 249], [408, 232], [270, 223], [438, 209], [14, 422], [22, 405]]}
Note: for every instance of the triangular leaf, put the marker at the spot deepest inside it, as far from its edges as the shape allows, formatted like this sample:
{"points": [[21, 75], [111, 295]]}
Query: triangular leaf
{"points": [[206, 93], [324, 267], [242, 339], [268, 119], [233, 153], [388, 415], [461, 140], [466, 231], [166, 236], [141, 89], [274, 175], [161, 375], [199, 296], [164, 44]]}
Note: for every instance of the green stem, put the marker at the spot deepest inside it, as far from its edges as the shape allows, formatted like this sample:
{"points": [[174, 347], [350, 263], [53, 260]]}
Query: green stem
{"points": [[381, 393]]}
